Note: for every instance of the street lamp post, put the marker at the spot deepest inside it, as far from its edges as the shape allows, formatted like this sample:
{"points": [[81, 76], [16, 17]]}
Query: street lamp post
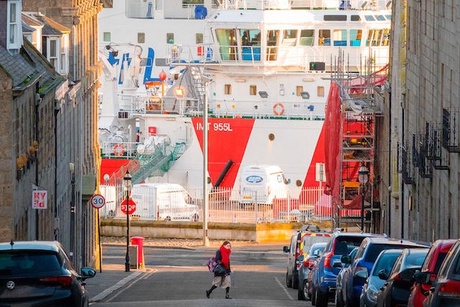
{"points": [[363, 177], [127, 186]]}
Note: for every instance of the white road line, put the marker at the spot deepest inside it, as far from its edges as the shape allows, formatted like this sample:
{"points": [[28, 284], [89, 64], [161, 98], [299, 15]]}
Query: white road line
{"points": [[284, 289]]}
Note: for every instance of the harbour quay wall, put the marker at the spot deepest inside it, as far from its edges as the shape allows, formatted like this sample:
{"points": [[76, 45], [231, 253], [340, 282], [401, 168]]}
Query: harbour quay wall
{"points": [[260, 233]]}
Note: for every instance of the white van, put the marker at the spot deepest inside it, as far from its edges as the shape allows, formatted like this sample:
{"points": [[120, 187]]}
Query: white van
{"points": [[260, 184], [163, 201]]}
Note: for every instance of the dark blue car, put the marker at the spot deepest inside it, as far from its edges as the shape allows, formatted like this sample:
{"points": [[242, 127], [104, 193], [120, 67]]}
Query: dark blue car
{"points": [[324, 273]]}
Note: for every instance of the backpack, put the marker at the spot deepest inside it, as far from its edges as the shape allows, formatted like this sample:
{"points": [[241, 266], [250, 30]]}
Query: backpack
{"points": [[211, 264]]}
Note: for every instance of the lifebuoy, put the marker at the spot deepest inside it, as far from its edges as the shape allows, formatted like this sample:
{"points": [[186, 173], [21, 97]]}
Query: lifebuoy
{"points": [[119, 150], [278, 108]]}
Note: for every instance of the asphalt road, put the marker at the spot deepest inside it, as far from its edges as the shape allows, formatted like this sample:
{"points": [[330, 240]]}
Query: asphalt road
{"points": [[176, 277]]}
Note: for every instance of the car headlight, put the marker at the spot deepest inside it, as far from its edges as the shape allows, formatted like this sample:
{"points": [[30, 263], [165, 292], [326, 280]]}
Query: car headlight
{"points": [[372, 293]]}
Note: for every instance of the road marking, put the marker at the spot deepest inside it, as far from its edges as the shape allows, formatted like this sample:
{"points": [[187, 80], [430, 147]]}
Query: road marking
{"points": [[284, 289]]}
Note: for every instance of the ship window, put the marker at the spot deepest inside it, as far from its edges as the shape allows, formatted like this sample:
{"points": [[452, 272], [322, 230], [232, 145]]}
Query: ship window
{"points": [[335, 17], [170, 38], [107, 37], [199, 38], [141, 38], [250, 42], [228, 44], [369, 18], [306, 37], [298, 90], [253, 90], [324, 37], [320, 91], [340, 37], [227, 89], [355, 37], [272, 43], [192, 2], [289, 37], [355, 18], [380, 18]]}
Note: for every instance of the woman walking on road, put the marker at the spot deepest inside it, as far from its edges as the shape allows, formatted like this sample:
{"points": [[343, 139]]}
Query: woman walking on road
{"points": [[224, 281]]}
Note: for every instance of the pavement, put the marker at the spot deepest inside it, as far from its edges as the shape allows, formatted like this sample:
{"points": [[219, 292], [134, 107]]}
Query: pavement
{"points": [[112, 277]]}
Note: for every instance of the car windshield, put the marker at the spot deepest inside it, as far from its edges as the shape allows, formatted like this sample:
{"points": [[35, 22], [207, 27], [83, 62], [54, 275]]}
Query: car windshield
{"points": [[20, 262]]}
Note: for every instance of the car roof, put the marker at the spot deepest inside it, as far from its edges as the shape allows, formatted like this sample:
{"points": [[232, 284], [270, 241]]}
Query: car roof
{"points": [[31, 245], [393, 241]]}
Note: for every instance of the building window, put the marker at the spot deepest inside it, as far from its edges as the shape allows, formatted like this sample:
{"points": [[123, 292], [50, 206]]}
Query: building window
{"points": [[253, 90], [14, 25], [52, 53], [107, 37]]}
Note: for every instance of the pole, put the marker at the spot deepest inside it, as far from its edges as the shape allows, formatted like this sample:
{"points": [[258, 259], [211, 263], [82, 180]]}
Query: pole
{"points": [[362, 207], [205, 168], [127, 231]]}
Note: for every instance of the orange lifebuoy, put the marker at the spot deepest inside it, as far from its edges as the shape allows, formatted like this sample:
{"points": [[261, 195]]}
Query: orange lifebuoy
{"points": [[278, 108], [118, 150]]}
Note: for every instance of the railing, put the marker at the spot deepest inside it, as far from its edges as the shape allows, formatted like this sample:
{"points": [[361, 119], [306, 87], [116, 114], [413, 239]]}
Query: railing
{"points": [[301, 205]]}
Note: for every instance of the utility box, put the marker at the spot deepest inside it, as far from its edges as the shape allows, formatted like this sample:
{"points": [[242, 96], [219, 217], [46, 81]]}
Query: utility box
{"points": [[133, 262]]}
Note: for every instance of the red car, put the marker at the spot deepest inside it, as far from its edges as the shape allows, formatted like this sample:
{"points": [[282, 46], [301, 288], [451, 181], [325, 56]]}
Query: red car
{"points": [[432, 263]]}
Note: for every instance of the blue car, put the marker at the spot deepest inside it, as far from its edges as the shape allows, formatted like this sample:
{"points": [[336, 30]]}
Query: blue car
{"points": [[356, 274], [324, 273], [377, 277]]}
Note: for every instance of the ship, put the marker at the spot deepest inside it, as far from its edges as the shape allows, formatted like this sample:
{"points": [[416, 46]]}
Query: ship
{"points": [[256, 73]]}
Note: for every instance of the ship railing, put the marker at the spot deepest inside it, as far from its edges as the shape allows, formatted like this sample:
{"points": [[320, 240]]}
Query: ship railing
{"points": [[225, 205], [300, 57]]}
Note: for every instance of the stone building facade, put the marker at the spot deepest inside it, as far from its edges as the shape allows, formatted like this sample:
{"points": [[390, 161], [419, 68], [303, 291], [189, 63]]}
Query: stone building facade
{"points": [[77, 150], [420, 187]]}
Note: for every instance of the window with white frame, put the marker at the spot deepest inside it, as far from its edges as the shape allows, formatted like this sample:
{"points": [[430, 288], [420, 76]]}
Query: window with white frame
{"points": [[14, 24], [52, 53]]}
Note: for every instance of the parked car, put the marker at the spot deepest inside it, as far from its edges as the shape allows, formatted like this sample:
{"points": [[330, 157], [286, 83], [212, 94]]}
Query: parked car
{"points": [[300, 243], [308, 262], [395, 291], [338, 287], [40, 273], [436, 255], [378, 276], [445, 289], [358, 271], [324, 274]]}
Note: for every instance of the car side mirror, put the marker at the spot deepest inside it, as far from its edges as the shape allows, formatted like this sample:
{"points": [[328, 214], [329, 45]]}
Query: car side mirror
{"points": [[286, 249], [383, 274], [362, 274], [345, 259], [422, 277], [88, 273]]}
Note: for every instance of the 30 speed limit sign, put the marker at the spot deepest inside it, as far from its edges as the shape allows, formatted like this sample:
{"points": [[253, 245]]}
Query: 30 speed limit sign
{"points": [[97, 201]]}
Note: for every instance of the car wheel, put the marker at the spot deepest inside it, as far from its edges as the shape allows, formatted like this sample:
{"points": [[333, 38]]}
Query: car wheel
{"points": [[288, 281], [321, 299], [301, 291]]}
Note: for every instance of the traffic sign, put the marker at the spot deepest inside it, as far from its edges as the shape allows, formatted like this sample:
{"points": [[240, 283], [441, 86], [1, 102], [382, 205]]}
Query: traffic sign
{"points": [[97, 201], [131, 206]]}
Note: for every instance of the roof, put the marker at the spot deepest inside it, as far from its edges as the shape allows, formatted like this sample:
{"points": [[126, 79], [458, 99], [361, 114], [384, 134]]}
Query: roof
{"points": [[50, 26], [34, 245], [393, 241]]}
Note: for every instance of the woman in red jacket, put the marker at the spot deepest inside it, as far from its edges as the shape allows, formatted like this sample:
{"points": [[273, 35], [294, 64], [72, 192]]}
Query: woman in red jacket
{"points": [[224, 281]]}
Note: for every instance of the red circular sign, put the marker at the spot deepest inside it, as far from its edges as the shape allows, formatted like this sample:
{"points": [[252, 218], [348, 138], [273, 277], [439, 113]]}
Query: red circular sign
{"points": [[131, 206]]}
